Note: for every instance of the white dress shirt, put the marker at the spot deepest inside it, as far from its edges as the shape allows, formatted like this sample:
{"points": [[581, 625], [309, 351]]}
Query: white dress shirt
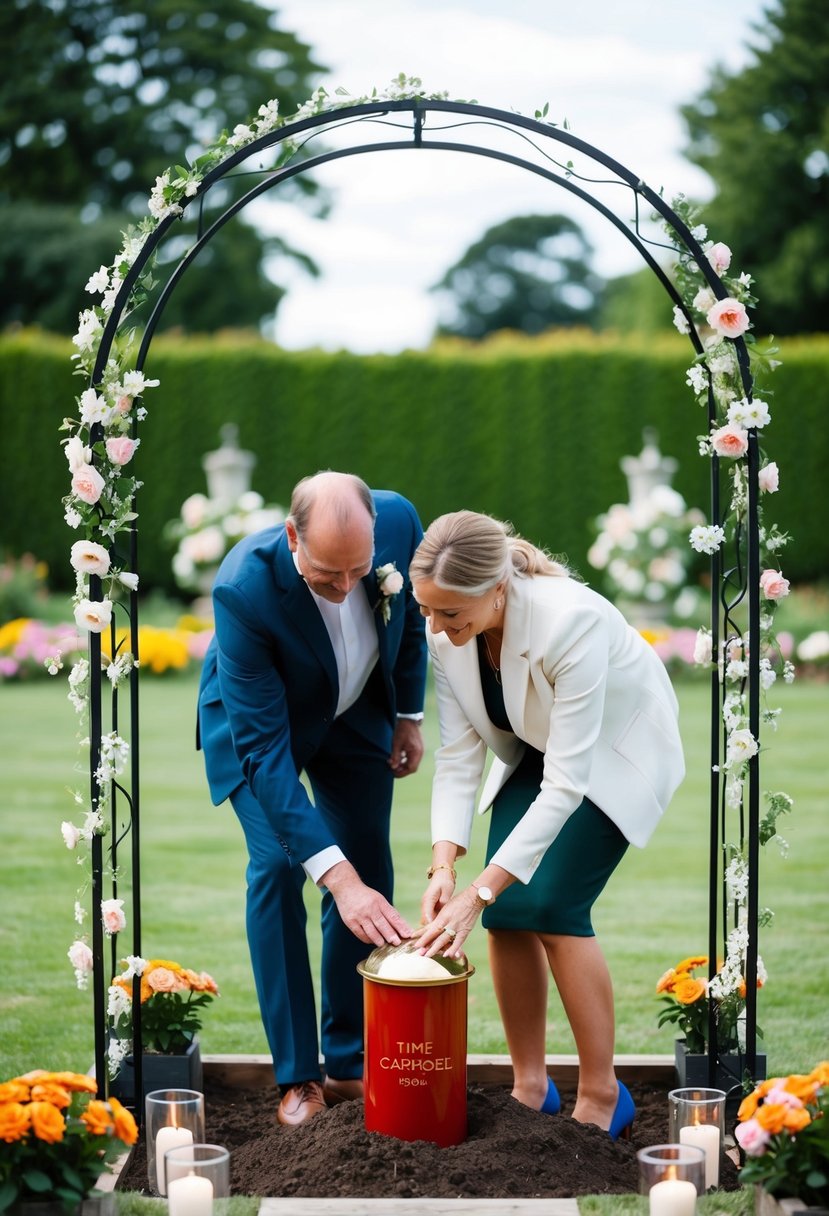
{"points": [[350, 626]]}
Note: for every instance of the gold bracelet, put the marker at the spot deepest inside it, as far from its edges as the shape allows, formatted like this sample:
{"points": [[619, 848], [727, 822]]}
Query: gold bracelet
{"points": [[430, 873]]}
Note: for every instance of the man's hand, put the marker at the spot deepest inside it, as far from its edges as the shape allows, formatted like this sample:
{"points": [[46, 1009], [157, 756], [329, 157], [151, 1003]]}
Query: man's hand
{"points": [[406, 748], [368, 915]]}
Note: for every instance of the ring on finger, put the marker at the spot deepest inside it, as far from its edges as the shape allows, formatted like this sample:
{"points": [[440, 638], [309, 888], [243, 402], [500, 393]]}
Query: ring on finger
{"points": [[450, 932]]}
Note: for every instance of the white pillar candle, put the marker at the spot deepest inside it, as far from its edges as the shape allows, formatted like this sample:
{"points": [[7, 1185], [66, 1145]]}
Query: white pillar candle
{"points": [[674, 1197], [707, 1137], [167, 1138], [191, 1196]]}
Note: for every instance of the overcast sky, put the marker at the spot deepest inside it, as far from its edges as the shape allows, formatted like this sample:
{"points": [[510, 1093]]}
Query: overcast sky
{"points": [[616, 70]]}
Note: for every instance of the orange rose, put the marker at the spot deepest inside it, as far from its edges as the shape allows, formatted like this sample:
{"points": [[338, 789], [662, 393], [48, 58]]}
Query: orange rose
{"points": [[202, 982], [665, 983], [687, 991], [801, 1086], [162, 979], [14, 1091], [125, 1126], [748, 1106], [50, 1091], [796, 1119], [48, 1123], [14, 1121], [97, 1119], [772, 1117], [77, 1082], [821, 1073]]}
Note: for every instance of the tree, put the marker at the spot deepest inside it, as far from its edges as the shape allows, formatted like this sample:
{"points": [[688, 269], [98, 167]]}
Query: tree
{"points": [[100, 96], [762, 134], [528, 273]]}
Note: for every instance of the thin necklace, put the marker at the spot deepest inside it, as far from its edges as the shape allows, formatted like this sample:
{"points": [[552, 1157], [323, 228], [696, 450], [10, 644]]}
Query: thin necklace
{"points": [[492, 662]]}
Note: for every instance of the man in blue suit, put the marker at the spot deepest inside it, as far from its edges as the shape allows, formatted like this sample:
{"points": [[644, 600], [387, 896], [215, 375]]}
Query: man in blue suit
{"points": [[318, 665]]}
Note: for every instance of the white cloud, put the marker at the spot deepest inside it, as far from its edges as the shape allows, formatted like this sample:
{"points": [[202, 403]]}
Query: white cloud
{"points": [[617, 73]]}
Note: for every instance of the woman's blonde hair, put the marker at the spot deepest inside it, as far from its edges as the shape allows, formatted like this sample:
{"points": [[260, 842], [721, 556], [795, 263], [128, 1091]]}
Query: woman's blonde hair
{"points": [[470, 553]]}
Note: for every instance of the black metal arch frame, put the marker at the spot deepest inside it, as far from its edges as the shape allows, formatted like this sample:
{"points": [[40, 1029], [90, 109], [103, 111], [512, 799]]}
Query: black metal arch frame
{"points": [[731, 588]]}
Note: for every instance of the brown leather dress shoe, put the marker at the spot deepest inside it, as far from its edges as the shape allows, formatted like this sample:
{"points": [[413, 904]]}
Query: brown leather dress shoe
{"points": [[300, 1103], [336, 1091]]}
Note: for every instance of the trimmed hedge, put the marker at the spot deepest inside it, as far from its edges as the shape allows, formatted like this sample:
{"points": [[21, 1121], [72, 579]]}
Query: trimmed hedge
{"points": [[530, 430]]}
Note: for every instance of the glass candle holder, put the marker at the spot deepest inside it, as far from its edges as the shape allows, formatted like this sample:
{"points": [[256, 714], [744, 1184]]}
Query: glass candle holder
{"points": [[197, 1178], [697, 1116], [672, 1175], [174, 1118]]}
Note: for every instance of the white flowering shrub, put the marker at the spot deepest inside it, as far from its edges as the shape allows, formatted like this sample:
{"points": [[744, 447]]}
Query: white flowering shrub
{"points": [[206, 530]]}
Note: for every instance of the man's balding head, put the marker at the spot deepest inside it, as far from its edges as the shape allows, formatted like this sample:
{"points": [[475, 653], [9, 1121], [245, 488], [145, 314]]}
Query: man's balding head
{"points": [[331, 529]]}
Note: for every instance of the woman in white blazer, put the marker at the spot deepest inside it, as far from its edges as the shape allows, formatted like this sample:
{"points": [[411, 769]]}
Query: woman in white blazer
{"points": [[581, 718]]}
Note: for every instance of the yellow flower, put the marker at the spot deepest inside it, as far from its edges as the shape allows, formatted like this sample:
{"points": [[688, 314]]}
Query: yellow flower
{"points": [[690, 964], [48, 1123], [14, 1121]]}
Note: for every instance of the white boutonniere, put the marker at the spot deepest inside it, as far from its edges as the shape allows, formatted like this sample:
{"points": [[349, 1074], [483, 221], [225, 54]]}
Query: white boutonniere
{"points": [[389, 584]]}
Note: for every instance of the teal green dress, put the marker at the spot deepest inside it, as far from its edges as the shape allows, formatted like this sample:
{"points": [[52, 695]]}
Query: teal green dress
{"points": [[573, 872]]}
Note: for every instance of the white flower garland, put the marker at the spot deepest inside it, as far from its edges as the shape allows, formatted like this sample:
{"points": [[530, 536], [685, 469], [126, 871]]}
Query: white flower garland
{"points": [[722, 321]]}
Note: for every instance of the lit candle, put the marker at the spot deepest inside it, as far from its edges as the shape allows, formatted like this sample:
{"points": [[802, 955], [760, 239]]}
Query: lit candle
{"points": [[167, 1138], [191, 1196], [707, 1137], [674, 1197]]}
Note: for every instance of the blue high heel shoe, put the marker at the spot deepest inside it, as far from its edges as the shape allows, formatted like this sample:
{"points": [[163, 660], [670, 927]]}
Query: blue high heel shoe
{"points": [[552, 1102], [623, 1115]]}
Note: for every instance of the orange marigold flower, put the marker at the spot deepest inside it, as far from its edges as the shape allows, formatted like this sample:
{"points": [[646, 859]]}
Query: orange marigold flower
{"points": [[97, 1118], [743, 987], [15, 1090], [748, 1106], [48, 1123], [687, 991], [125, 1125], [772, 1117], [50, 1091], [34, 1075], [14, 1121], [665, 983], [690, 964]]}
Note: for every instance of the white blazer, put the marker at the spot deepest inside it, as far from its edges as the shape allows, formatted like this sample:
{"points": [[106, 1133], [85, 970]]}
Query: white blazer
{"points": [[581, 686]]}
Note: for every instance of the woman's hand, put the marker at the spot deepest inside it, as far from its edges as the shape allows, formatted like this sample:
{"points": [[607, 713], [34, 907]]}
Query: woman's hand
{"points": [[451, 925], [440, 890]]}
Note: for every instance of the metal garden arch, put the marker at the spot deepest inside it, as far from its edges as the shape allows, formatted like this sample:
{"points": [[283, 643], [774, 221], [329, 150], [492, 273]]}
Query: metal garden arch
{"points": [[532, 145]]}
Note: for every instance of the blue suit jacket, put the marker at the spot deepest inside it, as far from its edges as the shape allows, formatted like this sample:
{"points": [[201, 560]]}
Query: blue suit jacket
{"points": [[269, 686]]}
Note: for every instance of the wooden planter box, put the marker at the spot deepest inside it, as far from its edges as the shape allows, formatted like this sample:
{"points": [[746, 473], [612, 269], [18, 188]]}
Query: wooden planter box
{"points": [[160, 1072]]}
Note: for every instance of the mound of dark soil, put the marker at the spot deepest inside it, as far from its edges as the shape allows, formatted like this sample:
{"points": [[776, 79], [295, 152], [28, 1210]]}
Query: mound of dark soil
{"points": [[511, 1151]]}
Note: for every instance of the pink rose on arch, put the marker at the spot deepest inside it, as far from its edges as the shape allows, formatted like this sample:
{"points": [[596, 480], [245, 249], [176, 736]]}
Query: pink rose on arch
{"points": [[769, 478], [124, 404], [728, 317], [80, 956], [112, 915], [719, 257], [773, 585], [751, 1137], [730, 440], [120, 449], [87, 483]]}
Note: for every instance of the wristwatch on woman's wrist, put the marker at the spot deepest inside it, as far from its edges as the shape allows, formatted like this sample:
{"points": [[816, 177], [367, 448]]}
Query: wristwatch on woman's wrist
{"points": [[484, 894]]}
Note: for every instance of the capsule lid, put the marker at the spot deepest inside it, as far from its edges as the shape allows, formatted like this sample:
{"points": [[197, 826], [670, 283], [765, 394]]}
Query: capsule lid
{"points": [[404, 965]]}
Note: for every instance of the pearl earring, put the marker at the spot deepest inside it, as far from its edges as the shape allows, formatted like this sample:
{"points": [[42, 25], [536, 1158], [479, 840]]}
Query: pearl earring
{"points": [[498, 605]]}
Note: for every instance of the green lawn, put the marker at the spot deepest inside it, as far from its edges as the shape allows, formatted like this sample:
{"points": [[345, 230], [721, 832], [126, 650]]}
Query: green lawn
{"points": [[653, 913]]}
